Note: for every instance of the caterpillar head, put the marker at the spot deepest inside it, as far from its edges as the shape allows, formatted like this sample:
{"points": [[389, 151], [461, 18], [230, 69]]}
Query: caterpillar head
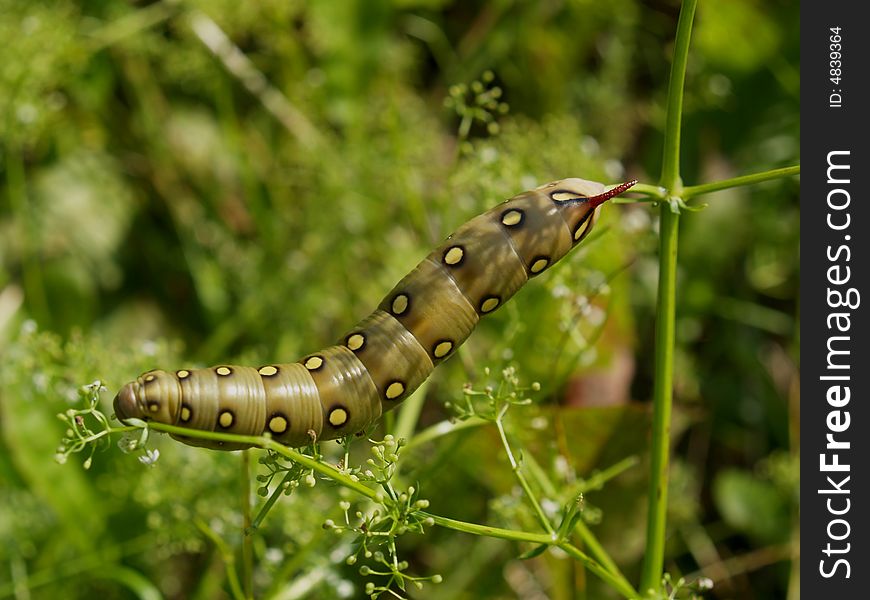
{"points": [[578, 201], [153, 396]]}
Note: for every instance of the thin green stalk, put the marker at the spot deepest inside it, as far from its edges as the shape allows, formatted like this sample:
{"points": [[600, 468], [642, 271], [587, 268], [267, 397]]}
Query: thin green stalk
{"points": [[131, 24], [597, 480], [580, 528], [227, 555], [655, 193], [16, 190], [619, 585], [270, 501], [247, 532], [706, 188], [539, 512], [657, 501], [670, 179], [442, 428], [409, 413]]}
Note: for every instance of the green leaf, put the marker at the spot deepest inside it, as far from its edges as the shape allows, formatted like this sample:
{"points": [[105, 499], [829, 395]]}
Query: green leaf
{"points": [[133, 581], [751, 505], [536, 551]]}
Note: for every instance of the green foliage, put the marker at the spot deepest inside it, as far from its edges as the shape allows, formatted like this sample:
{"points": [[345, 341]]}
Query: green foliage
{"points": [[163, 203]]}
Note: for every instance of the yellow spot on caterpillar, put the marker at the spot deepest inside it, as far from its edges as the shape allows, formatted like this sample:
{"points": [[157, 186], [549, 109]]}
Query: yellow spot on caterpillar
{"points": [[489, 304], [539, 265], [153, 407], [454, 255], [182, 374], [225, 419], [150, 378], [223, 371], [565, 196], [185, 414], [581, 230], [356, 341], [277, 424], [267, 371], [313, 363], [511, 218], [394, 390], [400, 304], [442, 349], [338, 417]]}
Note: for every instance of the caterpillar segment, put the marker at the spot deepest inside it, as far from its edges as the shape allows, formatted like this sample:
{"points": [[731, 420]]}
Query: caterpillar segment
{"points": [[421, 322]]}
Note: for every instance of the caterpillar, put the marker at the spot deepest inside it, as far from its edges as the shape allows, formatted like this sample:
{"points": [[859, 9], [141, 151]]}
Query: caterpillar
{"points": [[422, 321]]}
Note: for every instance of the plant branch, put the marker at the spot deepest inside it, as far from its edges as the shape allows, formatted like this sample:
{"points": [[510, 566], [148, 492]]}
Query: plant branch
{"points": [[707, 188], [345, 480], [521, 478]]}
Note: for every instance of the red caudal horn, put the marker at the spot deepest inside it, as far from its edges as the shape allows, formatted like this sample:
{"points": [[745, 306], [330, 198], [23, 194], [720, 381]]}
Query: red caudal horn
{"points": [[602, 198]]}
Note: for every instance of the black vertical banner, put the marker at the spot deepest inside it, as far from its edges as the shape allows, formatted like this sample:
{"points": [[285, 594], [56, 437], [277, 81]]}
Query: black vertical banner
{"points": [[835, 261]]}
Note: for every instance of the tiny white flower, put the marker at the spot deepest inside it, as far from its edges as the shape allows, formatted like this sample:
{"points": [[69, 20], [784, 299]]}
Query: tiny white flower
{"points": [[150, 457], [705, 583]]}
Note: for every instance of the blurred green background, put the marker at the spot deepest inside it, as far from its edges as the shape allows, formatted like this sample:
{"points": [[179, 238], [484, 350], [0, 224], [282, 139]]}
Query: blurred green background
{"points": [[190, 182]]}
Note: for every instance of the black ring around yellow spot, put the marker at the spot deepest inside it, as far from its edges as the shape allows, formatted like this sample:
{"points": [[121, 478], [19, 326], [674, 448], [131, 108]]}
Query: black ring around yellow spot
{"points": [[582, 228], [454, 256], [512, 217], [355, 341], [278, 423], [394, 390], [182, 373], [539, 264], [338, 416], [150, 377], [442, 348], [268, 371], [489, 304], [154, 406], [223, 371], [313, 362], [185, 416], [226, 418], [400, 304]]}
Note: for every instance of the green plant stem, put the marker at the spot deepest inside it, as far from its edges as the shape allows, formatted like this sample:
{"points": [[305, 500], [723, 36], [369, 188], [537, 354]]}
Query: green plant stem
{"points": [[409, 413], [247, 532], [227, 554], [656, 193], [76, 567], [433, 432], [657, 501], [621, 586], [345, 480], [580, 528], [127, 26], [662, 400], [706, 188], [597, 480], [23, 213], [270, 501], [521, 478], [670, 177]]}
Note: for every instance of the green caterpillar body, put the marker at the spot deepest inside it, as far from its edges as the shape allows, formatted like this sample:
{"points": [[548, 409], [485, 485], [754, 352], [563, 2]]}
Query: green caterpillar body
{"points": [[342, 389]]}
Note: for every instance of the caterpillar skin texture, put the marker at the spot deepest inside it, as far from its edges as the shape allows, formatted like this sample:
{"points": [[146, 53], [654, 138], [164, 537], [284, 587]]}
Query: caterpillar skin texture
{"points": [[341, 390]]}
